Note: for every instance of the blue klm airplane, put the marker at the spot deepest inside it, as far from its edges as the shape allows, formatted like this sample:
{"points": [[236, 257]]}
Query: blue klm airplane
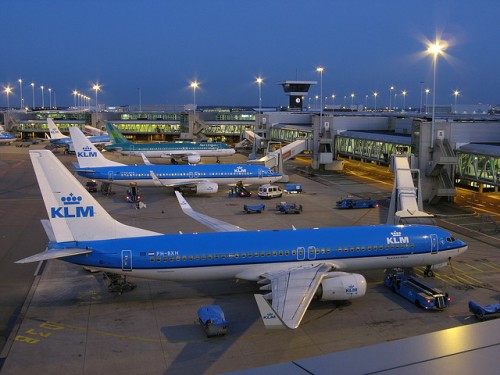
{"points": [[294, 265], [6, 137], [60, 140], [204, 178], [189, 151]]}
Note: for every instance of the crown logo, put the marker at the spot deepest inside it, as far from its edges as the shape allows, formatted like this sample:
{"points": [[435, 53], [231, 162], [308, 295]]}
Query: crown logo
{"points": [[71, 199], [87, 148]]}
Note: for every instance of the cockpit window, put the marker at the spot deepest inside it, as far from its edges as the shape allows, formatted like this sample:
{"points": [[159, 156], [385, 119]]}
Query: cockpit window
{"points": [[450, 239]]}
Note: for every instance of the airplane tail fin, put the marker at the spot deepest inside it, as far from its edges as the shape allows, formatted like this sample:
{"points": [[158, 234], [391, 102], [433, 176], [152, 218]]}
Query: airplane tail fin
{"points": [[54, 132], [73, 212], [268, 315], [115, 135], [87, 154]]}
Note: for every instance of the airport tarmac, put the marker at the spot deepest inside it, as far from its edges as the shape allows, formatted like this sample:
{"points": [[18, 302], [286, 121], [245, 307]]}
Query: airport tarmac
{"points": [[71, 323]]}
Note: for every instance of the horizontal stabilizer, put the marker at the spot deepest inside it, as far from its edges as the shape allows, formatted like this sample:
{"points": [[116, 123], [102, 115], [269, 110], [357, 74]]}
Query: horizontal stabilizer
{"points": [[53, 254], [268, 315]]}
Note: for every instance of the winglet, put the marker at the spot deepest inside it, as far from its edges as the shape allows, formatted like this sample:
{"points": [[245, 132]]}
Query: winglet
{"points": [[156, 180], [145, 160], [268, 315]]}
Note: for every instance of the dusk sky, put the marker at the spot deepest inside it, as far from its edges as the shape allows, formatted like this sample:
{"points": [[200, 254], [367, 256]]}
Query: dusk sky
{"points": [[160, 46]]}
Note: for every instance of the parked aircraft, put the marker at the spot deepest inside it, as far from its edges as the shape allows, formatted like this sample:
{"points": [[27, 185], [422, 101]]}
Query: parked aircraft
{"points": [[59, 139], [296, 264], [6, 137], [204, 178], [188, 151]]}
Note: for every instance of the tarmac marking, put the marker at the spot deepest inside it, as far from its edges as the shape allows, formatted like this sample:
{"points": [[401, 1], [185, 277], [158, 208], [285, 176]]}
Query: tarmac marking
{"points": [[58, 326]]}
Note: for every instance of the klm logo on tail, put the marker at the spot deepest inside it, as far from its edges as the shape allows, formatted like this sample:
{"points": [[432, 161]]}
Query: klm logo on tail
{"points": [[87, 153], [72, 208]]}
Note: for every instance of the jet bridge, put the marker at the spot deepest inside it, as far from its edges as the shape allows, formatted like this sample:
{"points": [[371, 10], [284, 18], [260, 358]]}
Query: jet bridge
{"points": [[275, 157], [406, 201]]}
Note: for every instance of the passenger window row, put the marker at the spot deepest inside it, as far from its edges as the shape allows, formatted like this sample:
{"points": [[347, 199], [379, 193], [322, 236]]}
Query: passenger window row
{"points": [[311, 251]]}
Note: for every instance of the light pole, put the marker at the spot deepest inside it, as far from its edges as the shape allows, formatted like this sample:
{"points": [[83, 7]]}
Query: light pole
{"points": [[21, 91], [140, 99], [427, 92], [96, 87], [43, 99], [320, 71], [259, 82], [421, 94], [50, 98], [456, 93], [75, 93], [7, 90], [390, 97], [194, 85], [404, 92], [352, 100], [33, 92], [333, 103], [375, 94], [366, 102], [435, 49]]}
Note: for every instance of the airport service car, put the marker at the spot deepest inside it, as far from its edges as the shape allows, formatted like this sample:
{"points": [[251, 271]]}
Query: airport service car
{"points": [[269, 191]]}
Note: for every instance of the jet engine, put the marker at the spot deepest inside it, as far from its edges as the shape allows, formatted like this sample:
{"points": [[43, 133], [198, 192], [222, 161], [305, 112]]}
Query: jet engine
{"points": [[341, 286], [207, 188], [193, 159]]}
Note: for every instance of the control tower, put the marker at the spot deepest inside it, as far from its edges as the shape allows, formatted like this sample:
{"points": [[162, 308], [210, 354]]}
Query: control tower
{"points": [[296, 90]]}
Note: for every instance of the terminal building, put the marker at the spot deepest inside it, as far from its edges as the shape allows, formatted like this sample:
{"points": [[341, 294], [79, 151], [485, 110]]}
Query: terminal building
{"points": [[453, 149]]}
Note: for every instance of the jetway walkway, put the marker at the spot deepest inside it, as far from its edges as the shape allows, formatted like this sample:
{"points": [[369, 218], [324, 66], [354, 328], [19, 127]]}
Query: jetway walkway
{"points": [[275, 158], [406, 205]]}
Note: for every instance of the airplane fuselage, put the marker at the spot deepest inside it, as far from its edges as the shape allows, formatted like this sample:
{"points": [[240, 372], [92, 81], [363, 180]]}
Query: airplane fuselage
{"points": [[159, 150], [247, 255], [179, 174]]}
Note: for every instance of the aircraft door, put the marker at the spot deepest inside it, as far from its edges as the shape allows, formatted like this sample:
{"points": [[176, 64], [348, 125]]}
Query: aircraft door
{"points": [[110, 175], [434, 243], [311, 252], [126, 260], [301, 253]]}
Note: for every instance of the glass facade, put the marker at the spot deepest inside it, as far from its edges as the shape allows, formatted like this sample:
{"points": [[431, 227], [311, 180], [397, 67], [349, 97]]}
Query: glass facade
{"points": [[369, 149], [479, 169]]}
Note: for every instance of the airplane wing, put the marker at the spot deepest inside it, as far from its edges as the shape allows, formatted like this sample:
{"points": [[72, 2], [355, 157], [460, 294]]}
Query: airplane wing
{"points": [[53, 254], [210, 222], [292, 292], [158, 182]]}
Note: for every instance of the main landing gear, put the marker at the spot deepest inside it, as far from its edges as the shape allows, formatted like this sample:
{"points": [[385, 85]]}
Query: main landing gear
{"points": [[117, 284]]}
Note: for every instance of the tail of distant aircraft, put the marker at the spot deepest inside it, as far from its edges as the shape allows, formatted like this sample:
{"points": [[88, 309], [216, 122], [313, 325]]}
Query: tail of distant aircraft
{"points": [[115, 135], [73, 212], [54, 131], [87, 154]]}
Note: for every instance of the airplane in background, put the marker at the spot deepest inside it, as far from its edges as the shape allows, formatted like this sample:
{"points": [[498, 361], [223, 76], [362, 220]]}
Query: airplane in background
{"points": [[203, 178], [188, 151], [5, 136], [295, 265], [60, 140]]}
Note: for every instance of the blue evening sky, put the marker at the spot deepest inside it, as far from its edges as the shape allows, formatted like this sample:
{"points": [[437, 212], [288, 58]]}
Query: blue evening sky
{"points": [[160, 46]]}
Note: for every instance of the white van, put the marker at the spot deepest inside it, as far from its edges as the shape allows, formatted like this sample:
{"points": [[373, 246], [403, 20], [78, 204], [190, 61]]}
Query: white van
{"points": [[269, 191]]}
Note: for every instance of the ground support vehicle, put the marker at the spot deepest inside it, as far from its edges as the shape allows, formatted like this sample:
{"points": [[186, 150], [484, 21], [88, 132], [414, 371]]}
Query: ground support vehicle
{"points": [[484, 312], [286, 208], [269, 191], [91, 186], [417, 291], [356, 203], [254, 209], [133, 195], [212, 320], [293, 188]]}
